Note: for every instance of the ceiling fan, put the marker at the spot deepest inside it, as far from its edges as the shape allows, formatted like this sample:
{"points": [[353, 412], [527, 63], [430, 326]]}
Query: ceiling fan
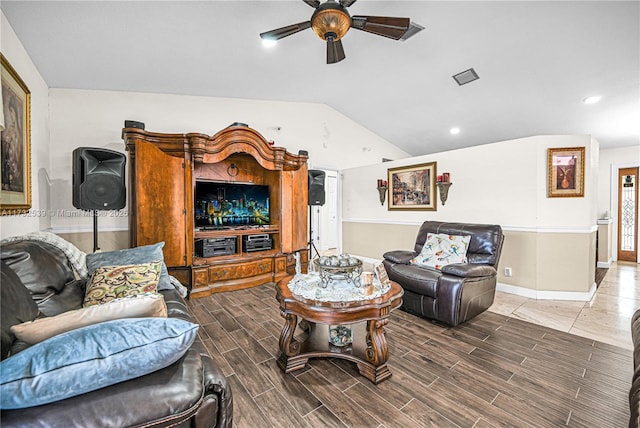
{"points": [[331, 21]]}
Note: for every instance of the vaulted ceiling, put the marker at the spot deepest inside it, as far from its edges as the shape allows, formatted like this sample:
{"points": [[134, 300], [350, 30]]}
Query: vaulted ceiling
{"points": [[537, 62]]}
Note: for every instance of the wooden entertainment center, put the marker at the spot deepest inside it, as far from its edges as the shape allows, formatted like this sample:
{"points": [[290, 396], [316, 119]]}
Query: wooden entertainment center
{"points": [[163, 171]]}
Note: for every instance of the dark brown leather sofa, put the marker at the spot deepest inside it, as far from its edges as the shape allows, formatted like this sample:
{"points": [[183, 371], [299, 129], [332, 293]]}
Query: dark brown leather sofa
{"points": [[457, 292], [192, 392], [634, 393]]}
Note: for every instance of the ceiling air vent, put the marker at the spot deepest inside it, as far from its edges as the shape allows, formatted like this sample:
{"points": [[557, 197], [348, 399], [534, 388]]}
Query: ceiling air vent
{"points": [[466, 76]]}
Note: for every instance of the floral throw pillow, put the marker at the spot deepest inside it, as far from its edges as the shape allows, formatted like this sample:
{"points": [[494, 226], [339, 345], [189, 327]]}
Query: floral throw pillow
{"points": [[442, 249], [114, 282]]}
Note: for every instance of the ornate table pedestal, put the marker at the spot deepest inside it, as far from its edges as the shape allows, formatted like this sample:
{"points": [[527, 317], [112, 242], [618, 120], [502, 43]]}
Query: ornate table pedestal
{"points": [[367, 318]]}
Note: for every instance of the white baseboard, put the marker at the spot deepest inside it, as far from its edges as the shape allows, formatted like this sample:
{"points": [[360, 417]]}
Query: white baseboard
{"points": [[578, 296], [605, 265], [367, 259]]}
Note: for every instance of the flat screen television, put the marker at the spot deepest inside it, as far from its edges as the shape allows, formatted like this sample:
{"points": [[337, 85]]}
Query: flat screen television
{"points": [[221, 205]]}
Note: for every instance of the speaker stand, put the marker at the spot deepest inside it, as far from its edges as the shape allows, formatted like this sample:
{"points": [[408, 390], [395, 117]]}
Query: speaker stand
{"points": [[95, 231], [312, 245]]}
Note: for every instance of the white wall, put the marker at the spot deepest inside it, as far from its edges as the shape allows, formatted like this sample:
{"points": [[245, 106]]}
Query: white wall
{"points": [[37, 218], [95, 119], [610, 161], [550, 242], [501, 183]]}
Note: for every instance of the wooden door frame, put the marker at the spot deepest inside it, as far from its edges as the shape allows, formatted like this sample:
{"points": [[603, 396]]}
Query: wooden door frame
{"points": [[613, 198], [618, 220]]}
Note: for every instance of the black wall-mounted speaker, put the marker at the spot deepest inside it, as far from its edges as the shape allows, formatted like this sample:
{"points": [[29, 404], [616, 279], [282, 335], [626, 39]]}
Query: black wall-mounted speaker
{"points": [[316, 187], [98, 179], [133, 124]]}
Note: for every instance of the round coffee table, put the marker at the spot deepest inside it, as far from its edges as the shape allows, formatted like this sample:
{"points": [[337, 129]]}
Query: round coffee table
{"points": [[367, 318]]}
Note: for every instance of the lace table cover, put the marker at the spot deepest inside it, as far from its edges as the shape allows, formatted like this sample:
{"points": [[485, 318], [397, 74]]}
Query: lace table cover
{"points": [[308, 286]]}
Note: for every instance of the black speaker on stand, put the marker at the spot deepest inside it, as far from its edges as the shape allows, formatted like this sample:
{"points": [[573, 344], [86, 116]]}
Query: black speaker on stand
{"points": [[316, 198], [98, 182]]}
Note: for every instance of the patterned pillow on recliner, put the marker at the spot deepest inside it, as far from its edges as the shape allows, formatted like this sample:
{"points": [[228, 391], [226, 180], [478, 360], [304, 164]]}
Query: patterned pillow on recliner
{"points": [[442, 249]]}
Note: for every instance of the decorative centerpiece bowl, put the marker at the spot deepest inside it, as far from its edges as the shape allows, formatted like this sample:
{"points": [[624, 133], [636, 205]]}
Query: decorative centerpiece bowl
{"points": [[340, 335], [342, 267]]}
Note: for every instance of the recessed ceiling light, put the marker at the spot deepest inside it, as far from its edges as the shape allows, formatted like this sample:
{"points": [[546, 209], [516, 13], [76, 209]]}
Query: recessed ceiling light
{"points": [[454, 131], [269, 43], [592, 100]]}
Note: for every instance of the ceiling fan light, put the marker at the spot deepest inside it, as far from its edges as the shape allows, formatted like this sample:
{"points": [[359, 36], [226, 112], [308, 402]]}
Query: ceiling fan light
{"points": [[594, 99], [328, 21]]}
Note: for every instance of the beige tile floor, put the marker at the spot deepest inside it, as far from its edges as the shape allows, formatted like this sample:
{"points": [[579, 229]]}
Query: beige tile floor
{"points": [[606, 318]]}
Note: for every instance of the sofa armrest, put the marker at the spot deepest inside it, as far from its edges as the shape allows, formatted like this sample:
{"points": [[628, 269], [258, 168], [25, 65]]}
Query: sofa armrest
{"points": [[462, 298], [399, 256], [468, 270], [164, 398], [215, 384]]}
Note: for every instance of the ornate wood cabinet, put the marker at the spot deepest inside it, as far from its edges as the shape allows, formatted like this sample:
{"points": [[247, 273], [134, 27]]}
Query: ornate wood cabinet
{"points": [[163, 171]]}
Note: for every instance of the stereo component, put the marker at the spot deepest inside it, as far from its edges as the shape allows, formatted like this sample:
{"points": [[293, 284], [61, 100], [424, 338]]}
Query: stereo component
{"points": [[261, 237], [211, 247], [260, 242]]}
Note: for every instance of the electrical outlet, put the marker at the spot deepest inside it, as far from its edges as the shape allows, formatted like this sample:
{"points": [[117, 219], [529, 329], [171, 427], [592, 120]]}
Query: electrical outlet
{"points": [[508, 271]]}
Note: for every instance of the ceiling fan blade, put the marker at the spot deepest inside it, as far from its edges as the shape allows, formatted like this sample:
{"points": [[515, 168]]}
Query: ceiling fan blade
{"points": [[313, 3], [413, 29], [335, 52], [279, 33], [347, 3], [393, 28]]}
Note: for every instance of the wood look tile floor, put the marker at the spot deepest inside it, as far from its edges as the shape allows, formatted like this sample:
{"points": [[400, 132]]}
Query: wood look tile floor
{"points": [[495, 370], [606, 318]]}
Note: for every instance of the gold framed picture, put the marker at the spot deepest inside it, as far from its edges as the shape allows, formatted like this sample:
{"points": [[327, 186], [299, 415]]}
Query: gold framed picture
{"points": [[565, 172], [15, 139], [413, 187]]}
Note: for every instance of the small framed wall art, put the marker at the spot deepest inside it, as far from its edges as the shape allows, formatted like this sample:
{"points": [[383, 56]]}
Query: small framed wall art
{"points": [[413, 187], [565, 172], [15, 139]]}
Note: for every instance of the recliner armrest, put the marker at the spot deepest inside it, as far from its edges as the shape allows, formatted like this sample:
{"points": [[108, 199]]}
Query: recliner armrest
{"points": [[468, 270], [399, 256]]}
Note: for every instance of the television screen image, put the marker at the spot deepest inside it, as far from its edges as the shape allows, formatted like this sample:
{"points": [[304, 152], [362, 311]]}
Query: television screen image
{"points": [[231, 205]]}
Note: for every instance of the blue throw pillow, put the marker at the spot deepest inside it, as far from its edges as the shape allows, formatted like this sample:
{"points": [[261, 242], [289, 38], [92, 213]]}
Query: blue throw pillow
{"points": [[92, 358], [132, 256]]}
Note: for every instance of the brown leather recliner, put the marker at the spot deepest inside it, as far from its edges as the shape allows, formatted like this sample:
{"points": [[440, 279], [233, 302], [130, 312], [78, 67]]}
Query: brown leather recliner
{"points": [[457, 292]]}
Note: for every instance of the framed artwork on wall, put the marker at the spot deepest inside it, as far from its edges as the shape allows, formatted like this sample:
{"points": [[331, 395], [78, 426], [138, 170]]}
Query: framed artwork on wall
{"points": [[413, 187], [15, 139], [565, 172]]}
